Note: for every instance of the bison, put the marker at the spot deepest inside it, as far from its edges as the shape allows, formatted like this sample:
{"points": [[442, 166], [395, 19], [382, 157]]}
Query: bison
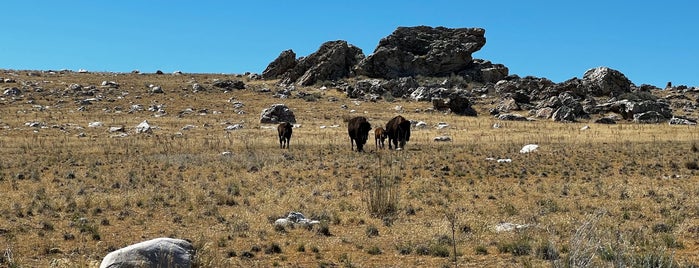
{"points": [[358, 129], [398, 132], [284, 129], [380, 137]]}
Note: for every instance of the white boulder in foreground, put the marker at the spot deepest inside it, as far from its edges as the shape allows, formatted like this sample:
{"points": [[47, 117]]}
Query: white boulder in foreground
{"points": [[159, 252], [529, 148]]}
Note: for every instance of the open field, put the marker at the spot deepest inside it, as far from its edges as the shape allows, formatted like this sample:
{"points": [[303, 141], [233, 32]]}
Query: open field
{"points": [[624, 194]]}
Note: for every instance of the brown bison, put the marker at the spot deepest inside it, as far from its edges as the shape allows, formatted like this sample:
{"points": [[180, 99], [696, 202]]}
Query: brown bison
{"points": [[358, 129], [398, 132], [380, 137], [284, 129]]}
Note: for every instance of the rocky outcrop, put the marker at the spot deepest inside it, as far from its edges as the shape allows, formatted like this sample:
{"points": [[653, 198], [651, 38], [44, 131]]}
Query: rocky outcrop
{"points": [[282, 64], [423, 50], [484, 71], [333, 60]]}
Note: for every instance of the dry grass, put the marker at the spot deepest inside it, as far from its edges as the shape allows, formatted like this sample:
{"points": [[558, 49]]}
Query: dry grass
{"points": [[610, 195]]}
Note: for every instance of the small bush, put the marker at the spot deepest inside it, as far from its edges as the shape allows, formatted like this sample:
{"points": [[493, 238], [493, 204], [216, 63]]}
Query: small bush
{"points": [[372, 231], [374, 250], [691, 165], [481, 250], [274, 248], [404, 249], [520, 247], [323, 229], [439, 251], [547, 251], [662, 228]]}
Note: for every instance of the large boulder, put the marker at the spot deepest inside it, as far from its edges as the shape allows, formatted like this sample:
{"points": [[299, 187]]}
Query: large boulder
{"points": [[663, 109], [333, 60], [423, 50], [456, 103], [605, 82], [651, 117], [277, 113], [282, 64], [159, 252], [563, 114]]}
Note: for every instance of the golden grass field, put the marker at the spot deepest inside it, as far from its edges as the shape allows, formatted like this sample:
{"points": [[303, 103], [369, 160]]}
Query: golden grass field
{"points": [[609, 196]]}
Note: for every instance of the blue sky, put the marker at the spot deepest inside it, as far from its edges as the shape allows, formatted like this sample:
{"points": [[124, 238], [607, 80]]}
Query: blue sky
{"points": [[652, 42]]}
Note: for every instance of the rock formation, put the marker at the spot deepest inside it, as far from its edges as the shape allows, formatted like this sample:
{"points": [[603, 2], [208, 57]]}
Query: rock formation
{"points": [[423, 50]]}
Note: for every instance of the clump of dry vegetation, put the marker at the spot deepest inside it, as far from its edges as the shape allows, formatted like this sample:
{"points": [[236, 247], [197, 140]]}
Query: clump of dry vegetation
{"points": [[612, 195]]}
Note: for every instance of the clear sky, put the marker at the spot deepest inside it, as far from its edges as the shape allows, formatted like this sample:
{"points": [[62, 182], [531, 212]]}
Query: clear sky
{"points": [[651, 42]]}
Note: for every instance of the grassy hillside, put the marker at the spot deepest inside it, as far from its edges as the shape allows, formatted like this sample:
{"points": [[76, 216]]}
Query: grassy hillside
{"points": [[604, 196]]}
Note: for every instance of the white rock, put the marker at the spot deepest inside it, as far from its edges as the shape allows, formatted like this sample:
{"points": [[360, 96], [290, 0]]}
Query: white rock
{"points": [[144, 127], [504, 160], [496, 125], [234, 127], [159, 252], [188, 127], [95, 124], [116, 129], [442, 125], [421, 124], [507, 227], [442, 138], [585, 128], [529, 148]]}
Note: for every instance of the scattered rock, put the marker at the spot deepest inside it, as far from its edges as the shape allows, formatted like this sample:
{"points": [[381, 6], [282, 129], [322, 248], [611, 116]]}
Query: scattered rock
{"points": [[159, 252], [234, 127], [508, 227], [681, 121], [442, 138], [144, 127], [12, 92], [511, 117], [229, 84], [295, 219], [529, 148]]}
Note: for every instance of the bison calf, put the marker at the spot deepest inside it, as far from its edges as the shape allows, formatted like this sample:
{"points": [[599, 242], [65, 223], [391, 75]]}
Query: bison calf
{"points": [[284, 129], [398, 132], [380, 137], [358, 129]]}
